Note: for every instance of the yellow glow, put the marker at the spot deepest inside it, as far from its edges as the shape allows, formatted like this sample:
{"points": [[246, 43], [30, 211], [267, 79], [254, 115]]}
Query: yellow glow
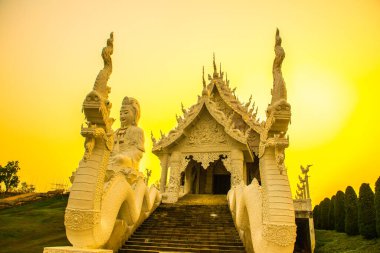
{"points": [[50, 56]]}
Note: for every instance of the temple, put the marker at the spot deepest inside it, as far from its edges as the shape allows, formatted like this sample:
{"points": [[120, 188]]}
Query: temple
{"points": [[219, 147], [218, 142]]}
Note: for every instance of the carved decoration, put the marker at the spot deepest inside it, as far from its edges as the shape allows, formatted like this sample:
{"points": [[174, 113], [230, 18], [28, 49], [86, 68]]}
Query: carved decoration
{"points": [[206, 131], [282, 235], [205, 158], [77, 220]]}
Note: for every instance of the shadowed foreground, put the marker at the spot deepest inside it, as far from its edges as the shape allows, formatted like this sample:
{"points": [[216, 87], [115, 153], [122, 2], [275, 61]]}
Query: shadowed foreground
{"points": [[31, 227]]}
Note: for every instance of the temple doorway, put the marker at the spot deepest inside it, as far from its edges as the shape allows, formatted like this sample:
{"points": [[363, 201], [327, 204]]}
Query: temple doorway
{"points": [[222, 184], [215, 179]]}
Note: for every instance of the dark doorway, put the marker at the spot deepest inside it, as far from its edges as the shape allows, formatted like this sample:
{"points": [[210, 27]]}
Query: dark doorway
{"points": [[222, 184], [303, 242], [253, 170]]}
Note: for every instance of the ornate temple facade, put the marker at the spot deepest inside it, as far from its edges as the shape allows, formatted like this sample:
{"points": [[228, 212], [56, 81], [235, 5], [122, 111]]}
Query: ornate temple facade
{"points": [[214, 146], [218, 142]]}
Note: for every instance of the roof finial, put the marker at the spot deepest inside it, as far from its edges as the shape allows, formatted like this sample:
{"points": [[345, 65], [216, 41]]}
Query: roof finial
{"points": [[220, 71], [203, 77], [152, 137], [204, 91], [215, 75]]}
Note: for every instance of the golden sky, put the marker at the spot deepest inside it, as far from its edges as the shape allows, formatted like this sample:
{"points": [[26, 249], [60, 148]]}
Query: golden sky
{"points": [[50, 56]]}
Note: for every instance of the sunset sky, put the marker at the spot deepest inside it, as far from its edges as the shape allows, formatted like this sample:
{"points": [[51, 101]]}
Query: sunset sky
{"points": [[50, 56]]}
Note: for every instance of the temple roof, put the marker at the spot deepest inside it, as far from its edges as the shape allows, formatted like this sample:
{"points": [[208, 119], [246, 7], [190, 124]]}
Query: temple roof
{"points": [[238, 111]]}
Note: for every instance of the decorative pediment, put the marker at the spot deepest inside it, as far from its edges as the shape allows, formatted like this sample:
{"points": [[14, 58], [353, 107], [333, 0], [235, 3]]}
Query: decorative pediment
{"points": [[236, 119]]}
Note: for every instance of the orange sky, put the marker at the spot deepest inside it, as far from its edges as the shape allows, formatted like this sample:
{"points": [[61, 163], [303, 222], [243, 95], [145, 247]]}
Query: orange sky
{"points": [[50, 56]]}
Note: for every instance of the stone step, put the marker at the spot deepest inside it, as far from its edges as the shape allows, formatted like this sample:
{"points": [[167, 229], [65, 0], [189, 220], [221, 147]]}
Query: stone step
{"points": [[184, 245], [187, 232], [186, 241], [177, 249], [230, 238], [186, 228]]}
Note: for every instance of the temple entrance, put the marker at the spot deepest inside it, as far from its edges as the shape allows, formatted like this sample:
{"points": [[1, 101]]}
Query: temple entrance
{"points": [[222, 184], [215, 179]]}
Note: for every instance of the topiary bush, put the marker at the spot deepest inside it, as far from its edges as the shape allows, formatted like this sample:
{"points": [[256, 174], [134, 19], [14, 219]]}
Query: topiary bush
{"points": [[366, 212], [332, 213], [351, 209], [324, 213], [340, 213], [377, 205]]}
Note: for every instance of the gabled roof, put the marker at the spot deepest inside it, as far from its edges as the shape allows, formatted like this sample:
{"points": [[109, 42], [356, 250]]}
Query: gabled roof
{"points": [[219, 86]]}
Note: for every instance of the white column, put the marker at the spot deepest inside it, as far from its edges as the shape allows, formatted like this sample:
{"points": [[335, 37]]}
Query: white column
{"points": [[175, 178], [164, 171], [237, 164]]}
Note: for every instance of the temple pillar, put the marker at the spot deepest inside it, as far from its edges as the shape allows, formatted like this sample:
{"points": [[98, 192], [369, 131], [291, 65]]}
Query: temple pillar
{"points": [[164, 171], [175, 178], [237, 164]]}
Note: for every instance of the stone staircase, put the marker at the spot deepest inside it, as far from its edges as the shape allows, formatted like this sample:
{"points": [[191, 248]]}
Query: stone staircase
{"points": [[186, 227]]}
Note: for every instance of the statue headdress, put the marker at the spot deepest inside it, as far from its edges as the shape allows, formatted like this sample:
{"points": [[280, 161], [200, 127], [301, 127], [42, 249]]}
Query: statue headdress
{"points": [[135, 105]]}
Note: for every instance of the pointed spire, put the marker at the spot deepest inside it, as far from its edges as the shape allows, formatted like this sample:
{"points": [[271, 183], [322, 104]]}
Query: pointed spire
{"points": [[203, 77], [152, 137], [205, 90], [183, 109], [227, 81], [215, 75], [220, 71]]}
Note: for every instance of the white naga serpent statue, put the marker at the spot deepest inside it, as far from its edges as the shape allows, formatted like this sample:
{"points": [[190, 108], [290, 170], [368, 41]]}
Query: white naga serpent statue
{"points": [[109, 198], [264, 214]]}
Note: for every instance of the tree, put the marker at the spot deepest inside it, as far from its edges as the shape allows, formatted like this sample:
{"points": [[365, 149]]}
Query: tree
{"points": [[27, 188], [340, 213], [325, 204], [366, 212], [8, 175], [316, 216], [377, 205], [351, 208], [332, 213]]}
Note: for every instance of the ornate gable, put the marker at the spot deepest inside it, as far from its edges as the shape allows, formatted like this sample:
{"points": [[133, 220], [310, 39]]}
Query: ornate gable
{"points": [[238, 120]]}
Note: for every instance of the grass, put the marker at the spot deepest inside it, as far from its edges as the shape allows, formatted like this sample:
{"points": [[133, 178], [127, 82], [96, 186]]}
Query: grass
{"points": [[31, 227], [333, 242]]}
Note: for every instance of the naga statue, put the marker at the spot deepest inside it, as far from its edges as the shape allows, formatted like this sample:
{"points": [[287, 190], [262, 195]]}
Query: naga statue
{"points": [[264, 213], [108, 198]]}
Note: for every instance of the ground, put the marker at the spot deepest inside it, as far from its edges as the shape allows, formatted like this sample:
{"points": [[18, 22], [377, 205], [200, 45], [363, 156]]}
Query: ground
{"points": [[31, 227], [333, 242]]}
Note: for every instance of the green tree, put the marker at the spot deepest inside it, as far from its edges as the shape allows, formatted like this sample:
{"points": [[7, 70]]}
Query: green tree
{"points": [[366, 212], [26, 188], [377, 205], [316, 217], [325, 204], [8, 175], [351, 208], [340, 212], [332, 213]]}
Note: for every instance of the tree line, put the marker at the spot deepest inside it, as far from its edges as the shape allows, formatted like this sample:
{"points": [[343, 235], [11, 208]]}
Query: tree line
{"points": [[11, 181], [346, 212]]}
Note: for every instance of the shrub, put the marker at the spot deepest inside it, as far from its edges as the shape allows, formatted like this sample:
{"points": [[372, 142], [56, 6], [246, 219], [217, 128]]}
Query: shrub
{"points": [[316, 217], [340, 213], [366, 212], [377, 205], [332, 213], [351, 208], [324, 213]]}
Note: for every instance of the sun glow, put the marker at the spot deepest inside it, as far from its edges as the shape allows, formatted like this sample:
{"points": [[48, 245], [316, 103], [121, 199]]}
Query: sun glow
{"points": [[321, 104]]}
